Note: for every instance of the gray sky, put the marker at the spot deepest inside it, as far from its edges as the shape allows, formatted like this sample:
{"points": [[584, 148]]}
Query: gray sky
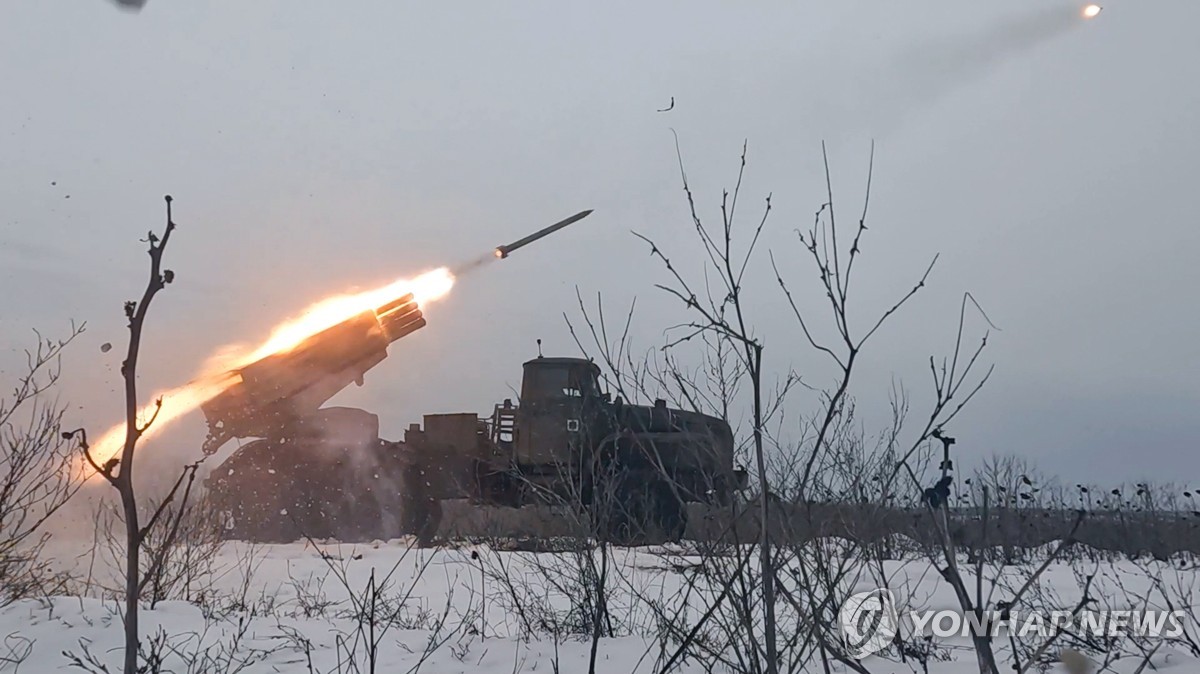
{"points": [[313, 149]]}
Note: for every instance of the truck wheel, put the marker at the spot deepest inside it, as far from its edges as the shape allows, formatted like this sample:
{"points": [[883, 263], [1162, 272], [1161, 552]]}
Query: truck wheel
{"points": [[669, 512], [431, 519], [620, 521], [651, 514], [359, 518], [629, 524]]}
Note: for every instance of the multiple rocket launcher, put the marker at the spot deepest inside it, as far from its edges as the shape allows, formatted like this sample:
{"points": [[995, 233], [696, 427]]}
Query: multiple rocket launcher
{"points": [[274, 394]]}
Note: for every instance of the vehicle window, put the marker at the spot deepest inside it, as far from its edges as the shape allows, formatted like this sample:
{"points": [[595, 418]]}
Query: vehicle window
{"points": [[583, 383]]}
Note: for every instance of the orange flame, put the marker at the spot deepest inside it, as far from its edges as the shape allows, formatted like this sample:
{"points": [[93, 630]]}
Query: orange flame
{"points": [[220, 372]]}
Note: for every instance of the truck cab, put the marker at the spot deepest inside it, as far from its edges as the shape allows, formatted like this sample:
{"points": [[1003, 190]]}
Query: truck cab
{"points": [[561, 406]]}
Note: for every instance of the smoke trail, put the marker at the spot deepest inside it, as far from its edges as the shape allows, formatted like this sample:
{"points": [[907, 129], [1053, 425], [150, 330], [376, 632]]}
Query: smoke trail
{"points": [[471, 265], [940, 67], [920, 75]]}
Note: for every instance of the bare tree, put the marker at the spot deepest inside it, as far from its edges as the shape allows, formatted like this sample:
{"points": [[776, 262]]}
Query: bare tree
{"points": [[118, 471], [36, 467], [804, 487], [719, 310]]}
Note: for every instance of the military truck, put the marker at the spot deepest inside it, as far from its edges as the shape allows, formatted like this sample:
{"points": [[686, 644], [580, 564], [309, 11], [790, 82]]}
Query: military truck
{"points": [[324, 472], [632, 468]]}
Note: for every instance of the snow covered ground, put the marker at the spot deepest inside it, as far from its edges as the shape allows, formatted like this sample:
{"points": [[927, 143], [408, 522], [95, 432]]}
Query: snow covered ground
{"points": [[299, 608]]}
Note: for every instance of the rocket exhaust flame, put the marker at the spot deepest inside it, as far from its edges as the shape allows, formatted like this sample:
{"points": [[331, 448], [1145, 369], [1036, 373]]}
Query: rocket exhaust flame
{"points": [[391, 303], [1092, 11], [331, 311]]}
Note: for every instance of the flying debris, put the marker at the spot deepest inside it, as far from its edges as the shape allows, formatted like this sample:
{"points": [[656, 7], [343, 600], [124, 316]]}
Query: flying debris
{"points": [[503, 251], [669, 107]]}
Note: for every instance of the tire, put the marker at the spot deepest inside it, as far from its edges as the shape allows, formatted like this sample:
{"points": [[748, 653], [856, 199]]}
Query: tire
{"points": [[359, 519], [619, 518], [628, 524], [645, 511], [420, 513], [668, 512]]}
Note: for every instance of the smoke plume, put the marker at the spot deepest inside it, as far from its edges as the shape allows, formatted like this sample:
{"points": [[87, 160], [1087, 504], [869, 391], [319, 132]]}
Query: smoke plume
{"points": [[942, 66], [922, 74]]}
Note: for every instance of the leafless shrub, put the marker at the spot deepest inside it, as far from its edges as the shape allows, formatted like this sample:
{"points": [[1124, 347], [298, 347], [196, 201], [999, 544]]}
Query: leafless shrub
{"points": [[37, 474], [83, 658], [181, 563], [186, 561], [309, 595], [383, 604], [566, 592], [243, 598], [221, 646]]}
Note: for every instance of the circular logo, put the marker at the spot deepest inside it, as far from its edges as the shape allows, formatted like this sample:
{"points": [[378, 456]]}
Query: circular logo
{"points": [[868, 621]]}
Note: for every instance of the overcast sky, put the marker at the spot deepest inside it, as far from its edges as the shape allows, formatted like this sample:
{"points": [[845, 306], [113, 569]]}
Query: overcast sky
{"points": [[314, 149]]}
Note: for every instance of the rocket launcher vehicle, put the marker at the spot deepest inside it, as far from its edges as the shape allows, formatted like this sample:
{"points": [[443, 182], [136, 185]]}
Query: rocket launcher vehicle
{"points": [[273, 396]]}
